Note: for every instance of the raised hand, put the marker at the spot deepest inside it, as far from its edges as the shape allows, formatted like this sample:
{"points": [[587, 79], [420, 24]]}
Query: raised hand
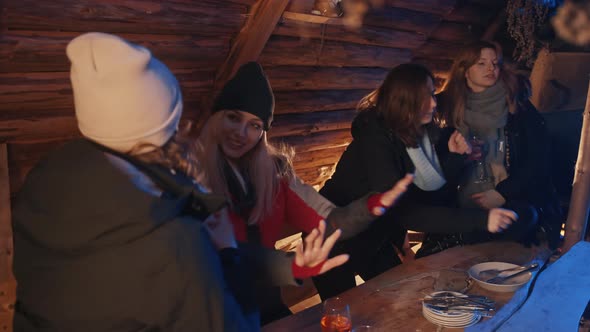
{"points": [[500, 219], [489, 199], [316, 250], [458, 144], [392, 195], [220, 230]]}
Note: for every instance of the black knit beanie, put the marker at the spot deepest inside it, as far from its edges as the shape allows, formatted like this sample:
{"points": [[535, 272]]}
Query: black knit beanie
{"points": [[248, 91]]}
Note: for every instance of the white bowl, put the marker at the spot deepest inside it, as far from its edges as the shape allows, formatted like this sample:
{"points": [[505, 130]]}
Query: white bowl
{"points": [[510, 285]]}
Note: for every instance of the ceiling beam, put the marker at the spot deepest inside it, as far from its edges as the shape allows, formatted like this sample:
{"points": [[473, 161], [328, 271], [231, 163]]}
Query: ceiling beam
{"points": [[248, 45]]}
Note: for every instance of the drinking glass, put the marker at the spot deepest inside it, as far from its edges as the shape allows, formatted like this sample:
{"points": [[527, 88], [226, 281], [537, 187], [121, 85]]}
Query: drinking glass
{"points": [[362, 328], [336, 316], [478, 144]]}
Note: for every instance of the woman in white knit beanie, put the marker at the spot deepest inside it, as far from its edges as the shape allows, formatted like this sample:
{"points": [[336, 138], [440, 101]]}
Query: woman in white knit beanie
{"points": [[107, 229]]}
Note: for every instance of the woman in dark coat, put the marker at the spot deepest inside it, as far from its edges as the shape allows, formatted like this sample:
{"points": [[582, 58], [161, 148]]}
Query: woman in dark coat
{"points": [[487, 101], [393, 135]]}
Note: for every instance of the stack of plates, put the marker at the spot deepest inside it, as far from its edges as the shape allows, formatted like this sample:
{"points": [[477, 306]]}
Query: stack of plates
{"points": [[449, 318]]}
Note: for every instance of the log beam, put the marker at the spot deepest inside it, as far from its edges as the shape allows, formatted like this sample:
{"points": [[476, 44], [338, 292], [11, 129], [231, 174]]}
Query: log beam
{"points": [[250, 42], [577, 217], [7, 281]]}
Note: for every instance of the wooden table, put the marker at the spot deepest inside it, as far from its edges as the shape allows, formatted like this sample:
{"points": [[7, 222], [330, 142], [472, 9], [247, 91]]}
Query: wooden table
{"points": [[392, 301]]}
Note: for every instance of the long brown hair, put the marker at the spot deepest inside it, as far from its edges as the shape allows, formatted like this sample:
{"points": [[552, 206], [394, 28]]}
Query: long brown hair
{"points": [[400, 101], [266, 165], [452, 106]]}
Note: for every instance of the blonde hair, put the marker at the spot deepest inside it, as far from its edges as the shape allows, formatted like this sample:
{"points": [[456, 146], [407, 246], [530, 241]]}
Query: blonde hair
{"points": [[266, 166]]}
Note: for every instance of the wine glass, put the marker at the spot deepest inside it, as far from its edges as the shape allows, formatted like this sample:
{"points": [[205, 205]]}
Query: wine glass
{"points": [[480, 148], [336, 316]]}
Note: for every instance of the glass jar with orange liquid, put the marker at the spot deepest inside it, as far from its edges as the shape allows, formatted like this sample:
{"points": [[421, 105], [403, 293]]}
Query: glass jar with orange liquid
{"points": [[336, 316]]}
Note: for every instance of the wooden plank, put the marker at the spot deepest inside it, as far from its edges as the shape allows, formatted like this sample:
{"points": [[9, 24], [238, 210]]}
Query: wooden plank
{"points": [[366, 35], [313, 52], [5, 217], [429, 6], [316, 176], [33, 95], [61, 126], [469, 12], [403, 19], [7, 299], [577, 217], [318, 100], [318, 158], [49, 128], [301, 6], [119, 16], [309, 123], [36, 51], [317, 141], [457, 32], [438, 49], [439, 67], [249, 43], [310, 18], [324, 78], [6, 246]]}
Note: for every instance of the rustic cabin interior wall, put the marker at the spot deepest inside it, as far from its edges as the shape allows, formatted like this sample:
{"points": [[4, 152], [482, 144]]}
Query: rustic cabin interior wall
{"points": [[318, 67]]}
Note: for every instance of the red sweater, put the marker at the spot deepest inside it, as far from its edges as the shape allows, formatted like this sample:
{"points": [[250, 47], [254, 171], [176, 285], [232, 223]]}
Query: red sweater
{"points": [[298, 205]]}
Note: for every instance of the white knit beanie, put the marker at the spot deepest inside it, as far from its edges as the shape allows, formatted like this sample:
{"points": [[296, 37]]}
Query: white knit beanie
{"points": [[123, 96]]}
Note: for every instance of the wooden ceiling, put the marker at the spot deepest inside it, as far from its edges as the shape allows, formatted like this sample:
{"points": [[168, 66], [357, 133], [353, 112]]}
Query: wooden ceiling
{"points": [[318, 67]]}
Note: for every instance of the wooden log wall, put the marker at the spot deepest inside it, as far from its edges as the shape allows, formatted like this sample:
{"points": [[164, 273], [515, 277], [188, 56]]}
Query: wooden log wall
{"points": [[36, 105], [320, 68]]}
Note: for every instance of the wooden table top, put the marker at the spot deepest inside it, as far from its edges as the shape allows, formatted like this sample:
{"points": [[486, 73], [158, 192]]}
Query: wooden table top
{"points": [[392, 301]]}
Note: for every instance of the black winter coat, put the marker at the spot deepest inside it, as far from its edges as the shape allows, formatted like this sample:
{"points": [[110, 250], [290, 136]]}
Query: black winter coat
{"points": [[95, 253], [527, 160], [376, 159]]}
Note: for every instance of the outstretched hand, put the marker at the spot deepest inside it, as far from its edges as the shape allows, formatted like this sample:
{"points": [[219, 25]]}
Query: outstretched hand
{"points": [[500, 219], [392, 195], [458, 144], [316, 250]]}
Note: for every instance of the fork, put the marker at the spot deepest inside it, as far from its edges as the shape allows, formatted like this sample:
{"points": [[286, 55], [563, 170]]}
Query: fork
{"points": [[491, 273], [499, 280]]}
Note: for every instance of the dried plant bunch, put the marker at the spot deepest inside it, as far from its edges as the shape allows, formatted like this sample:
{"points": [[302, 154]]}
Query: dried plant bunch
{"points": [[525, 17]]}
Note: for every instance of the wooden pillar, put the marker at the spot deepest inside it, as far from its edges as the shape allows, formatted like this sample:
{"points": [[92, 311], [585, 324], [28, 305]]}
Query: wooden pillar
{"points": [[7, 282], [575, 226]]}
